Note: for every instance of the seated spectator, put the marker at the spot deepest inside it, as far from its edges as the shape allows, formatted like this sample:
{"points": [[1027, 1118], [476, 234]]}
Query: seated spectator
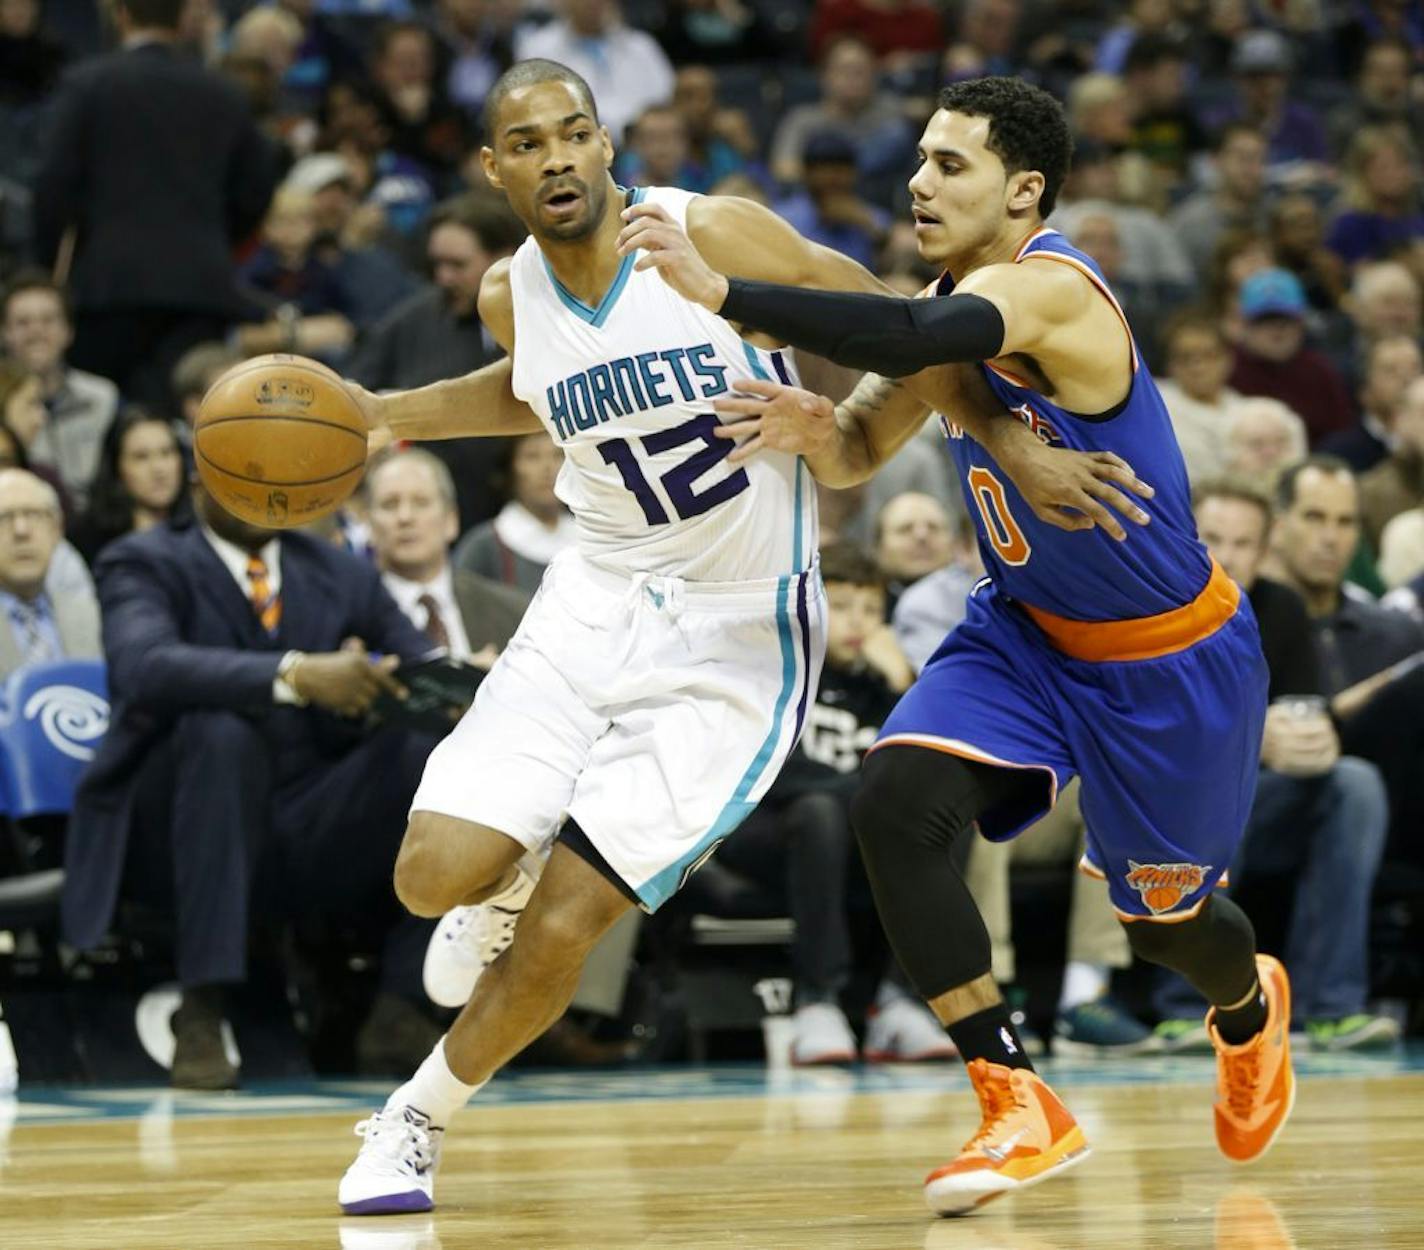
{"points": [[412, 515], [715, 32], [1202, 406], [1381, 97], [1390, 366], [474, 46], [717, 139], [197, 369], [1097, 234], [236, 769], [1100, 111], [1297, 233], [36, 333], [801, 832], [1319, 820], [420, 118], [1396, 483], [1264, 439], [30, 59], [625, 68], [899, 30], [829, 210], [913, 538], [657, 151], [23, 417], [262, 49], [1240, 254], [851, 104], [1385, 299], [284, 273], [1382, 212], [437, 332], [927, 611], [986, 41], [1236, 198], [43, 622], [532, 527], [352, 239], [1261, 65], [139, 484], [1142, 20], [1274, 359], [1165, 129]]}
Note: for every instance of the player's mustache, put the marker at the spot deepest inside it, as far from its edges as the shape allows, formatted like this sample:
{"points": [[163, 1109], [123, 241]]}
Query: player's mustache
{"points": [[561, 186]]}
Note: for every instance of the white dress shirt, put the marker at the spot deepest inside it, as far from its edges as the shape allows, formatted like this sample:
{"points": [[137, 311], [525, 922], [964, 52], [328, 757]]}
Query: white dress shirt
{"points": [[408, 594]]}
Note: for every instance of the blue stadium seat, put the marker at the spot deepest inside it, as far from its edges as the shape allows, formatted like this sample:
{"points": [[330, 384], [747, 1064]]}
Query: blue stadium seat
{"points": [[51, 719]]}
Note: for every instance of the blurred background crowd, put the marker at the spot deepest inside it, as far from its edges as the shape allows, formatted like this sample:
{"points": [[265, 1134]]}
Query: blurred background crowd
{"points": [[188, 183]]}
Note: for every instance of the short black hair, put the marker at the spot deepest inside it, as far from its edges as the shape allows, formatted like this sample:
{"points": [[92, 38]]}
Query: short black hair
{"points": [[1027, 128], [488, 217], [527, 74], [154, 14], [1151, 50], [34, 280], [851, 564], [1286, 487]]}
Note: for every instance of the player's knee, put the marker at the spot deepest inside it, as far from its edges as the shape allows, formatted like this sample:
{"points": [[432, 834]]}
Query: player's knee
{"points": [[908, 793], [432, 873], [1160, 943]]}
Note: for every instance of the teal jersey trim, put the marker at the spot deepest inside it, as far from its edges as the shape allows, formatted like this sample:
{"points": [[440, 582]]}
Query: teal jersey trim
{"points": [[754, 361], [658, 889], [584, 312]]}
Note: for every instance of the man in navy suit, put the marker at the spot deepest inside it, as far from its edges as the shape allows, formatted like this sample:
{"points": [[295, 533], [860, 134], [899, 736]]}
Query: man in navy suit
{"points": [[241, 662]]}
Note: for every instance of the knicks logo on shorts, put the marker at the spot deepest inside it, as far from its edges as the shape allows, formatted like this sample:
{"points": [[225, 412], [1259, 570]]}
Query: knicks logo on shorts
{"points": [[1163, 886]]}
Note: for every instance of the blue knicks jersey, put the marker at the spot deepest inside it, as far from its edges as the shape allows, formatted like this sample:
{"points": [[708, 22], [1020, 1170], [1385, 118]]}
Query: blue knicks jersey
{"points": [[1085, 575]]}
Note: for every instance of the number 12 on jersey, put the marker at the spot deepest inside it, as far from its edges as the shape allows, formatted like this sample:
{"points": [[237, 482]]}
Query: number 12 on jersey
{"points": [[678, 483]]}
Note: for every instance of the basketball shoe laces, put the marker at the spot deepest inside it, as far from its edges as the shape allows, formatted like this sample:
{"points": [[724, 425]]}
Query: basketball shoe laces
{"points": [[1243, 1075], [996, 1099], [401, 1139]]}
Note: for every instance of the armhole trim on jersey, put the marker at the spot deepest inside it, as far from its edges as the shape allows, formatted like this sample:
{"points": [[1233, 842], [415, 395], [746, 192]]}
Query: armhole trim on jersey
{"points": [[585, 312]]}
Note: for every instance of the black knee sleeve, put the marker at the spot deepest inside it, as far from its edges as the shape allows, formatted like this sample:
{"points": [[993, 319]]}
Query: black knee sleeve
{"points": [[914, 810], [1215, 950]]}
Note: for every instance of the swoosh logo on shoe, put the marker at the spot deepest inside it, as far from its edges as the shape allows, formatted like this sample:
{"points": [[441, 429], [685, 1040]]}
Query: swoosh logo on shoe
{"points": [[1000, 1152]]}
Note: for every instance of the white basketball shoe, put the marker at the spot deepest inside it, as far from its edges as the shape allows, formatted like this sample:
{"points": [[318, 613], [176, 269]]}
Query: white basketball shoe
{"points": [[394, 1173], [468, 939]]}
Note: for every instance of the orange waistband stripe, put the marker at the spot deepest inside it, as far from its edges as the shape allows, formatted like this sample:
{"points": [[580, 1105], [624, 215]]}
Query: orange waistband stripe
{"points": [[1146, 637]]}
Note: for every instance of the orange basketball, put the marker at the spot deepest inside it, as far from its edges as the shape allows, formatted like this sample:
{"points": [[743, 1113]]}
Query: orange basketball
{"points": [[1162, 897], [279, 441]]}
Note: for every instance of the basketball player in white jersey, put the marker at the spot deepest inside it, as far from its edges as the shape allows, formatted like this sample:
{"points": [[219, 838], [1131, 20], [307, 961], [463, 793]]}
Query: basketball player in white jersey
{"points": [[661, 676]]}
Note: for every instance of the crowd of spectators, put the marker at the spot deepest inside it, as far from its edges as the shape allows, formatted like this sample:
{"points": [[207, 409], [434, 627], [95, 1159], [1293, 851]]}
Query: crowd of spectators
{"points": [[187, 183]]}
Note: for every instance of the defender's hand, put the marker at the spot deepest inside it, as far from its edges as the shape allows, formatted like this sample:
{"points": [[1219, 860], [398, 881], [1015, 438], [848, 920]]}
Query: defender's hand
{"points": [[774, 417], [650, 229], [1072, 490]]}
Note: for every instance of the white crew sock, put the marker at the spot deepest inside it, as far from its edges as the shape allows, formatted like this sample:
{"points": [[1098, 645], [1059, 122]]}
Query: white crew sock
{"points": [[434, 1089], [1082, 982]]}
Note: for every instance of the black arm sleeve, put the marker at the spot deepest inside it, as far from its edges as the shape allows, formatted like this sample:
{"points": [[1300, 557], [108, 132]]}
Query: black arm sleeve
{"points": [[882, 333]]}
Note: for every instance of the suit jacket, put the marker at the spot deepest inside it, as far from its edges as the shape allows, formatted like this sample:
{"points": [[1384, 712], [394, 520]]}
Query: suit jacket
{"points": [[157, 163], [179, 635], [76, 616], [491, 611]]}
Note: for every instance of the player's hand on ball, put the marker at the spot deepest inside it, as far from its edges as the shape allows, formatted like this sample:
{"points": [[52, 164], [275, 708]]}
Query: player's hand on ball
{"points": [[774, 417], [373, 409], [347, 681], [671, 252]]}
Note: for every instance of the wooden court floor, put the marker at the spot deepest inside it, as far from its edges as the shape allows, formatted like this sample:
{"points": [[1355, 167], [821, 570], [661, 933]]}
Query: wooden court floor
{"points": [[823, 1160]]}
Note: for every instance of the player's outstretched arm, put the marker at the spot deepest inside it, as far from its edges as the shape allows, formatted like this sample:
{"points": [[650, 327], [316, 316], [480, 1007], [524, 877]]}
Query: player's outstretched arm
{"points": [[479, 404]]}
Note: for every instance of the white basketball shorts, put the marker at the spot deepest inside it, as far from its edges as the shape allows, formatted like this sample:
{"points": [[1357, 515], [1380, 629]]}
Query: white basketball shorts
{"points": [[653, 711]]}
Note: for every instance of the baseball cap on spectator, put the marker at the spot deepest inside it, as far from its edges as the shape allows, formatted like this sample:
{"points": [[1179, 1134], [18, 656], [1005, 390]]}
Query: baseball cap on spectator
{"points": [[1261, 52], [1272, 293], [317, 172], [828, 147]]}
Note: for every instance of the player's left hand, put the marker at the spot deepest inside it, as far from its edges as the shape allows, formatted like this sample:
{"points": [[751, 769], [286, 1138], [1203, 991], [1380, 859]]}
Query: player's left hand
{"points": [[650, 229], [1073, 490], [776, 418]]}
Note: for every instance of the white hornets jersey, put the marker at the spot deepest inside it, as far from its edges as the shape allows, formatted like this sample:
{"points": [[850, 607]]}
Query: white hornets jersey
{"points": [[626, 389]]}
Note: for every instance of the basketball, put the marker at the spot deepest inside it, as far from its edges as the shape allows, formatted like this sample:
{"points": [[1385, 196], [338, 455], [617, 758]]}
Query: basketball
{"points": [[279, 441]]}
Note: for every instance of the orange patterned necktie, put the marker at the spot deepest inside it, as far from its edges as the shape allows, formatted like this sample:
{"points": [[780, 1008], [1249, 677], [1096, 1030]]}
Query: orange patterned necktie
{"points": [[267, 605]]}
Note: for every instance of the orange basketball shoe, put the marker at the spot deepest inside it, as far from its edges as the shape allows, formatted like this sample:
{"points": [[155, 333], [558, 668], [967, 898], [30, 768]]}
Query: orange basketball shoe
{"points": [[1255, 1087], [1027, 1135]]}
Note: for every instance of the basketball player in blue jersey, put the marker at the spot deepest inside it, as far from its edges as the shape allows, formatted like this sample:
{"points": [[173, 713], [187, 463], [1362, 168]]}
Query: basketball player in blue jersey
{"points": [[660, 677], [1134, 665]]}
